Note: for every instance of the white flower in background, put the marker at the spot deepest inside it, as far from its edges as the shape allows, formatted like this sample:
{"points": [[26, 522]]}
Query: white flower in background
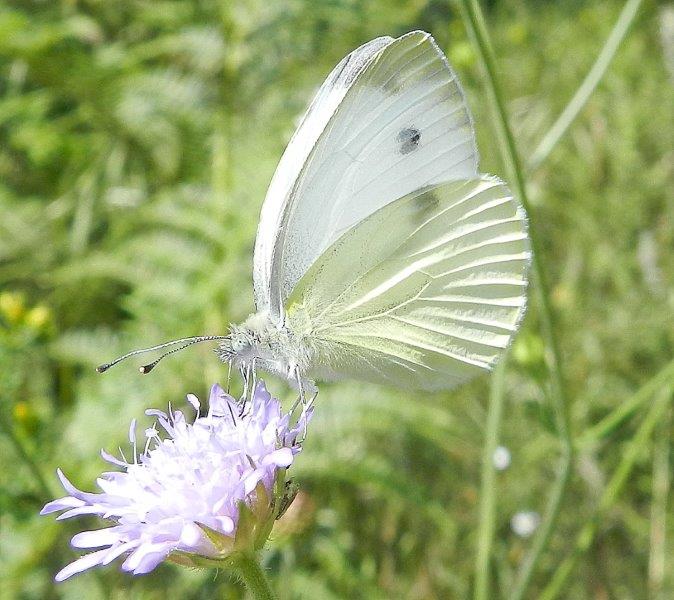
{"points": [[206, 490], [525, 523], [501, 458]]}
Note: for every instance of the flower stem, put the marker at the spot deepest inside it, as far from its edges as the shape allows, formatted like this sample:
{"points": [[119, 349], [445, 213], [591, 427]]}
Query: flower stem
{"points": [[249, 569], [488, 488], [478, 31]]}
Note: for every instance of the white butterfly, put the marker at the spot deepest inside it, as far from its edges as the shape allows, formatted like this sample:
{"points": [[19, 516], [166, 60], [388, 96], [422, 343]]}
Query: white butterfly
{"points": [[382, 254]]}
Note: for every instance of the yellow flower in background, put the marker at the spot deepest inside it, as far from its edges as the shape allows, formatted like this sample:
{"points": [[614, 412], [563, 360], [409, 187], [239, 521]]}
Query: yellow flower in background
{"points": [[38, 317], [12, 306]]}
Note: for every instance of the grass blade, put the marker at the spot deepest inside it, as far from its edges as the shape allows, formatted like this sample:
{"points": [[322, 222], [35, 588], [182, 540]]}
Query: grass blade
{"points": [[619, 415], [592, 79], [611, 493], [661, 483]]}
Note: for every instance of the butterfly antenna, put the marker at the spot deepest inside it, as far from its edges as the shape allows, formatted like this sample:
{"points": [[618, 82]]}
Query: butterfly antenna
{"points": [[147, 368]]}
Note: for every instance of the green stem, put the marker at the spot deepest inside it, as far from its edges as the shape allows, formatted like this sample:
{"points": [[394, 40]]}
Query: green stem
{"points": [[588, 86], [623, 412], [611, 492], [488, 487], [480, 35], [252, 574]]}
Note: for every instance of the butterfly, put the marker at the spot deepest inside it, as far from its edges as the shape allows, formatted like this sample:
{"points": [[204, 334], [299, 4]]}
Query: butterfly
{"points": [[382, 254]]}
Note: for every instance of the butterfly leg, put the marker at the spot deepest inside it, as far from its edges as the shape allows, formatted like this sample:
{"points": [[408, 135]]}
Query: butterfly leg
{"points": [[245, 373], [304, 416], [229, 375], [306, 404], [254, 378], [300, 388], [249, 374]]}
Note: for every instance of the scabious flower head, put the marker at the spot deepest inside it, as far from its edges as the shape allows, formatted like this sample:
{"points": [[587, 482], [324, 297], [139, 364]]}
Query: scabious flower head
{"points": [[194, 495]]}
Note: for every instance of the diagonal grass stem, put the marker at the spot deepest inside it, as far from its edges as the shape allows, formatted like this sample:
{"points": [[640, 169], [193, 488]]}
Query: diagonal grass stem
{"points": [[587, 87], [618, 416]]}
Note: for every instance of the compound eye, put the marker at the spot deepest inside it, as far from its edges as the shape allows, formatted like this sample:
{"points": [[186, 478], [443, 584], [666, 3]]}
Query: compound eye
{"points": [[238, 343]]}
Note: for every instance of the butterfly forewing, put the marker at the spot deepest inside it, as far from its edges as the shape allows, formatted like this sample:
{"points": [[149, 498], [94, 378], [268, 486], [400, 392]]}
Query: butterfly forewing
{"points": [[391, 119], [284, 182]]}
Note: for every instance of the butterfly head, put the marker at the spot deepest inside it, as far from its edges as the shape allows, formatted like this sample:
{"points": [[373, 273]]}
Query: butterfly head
{"points": [[239, 346]]}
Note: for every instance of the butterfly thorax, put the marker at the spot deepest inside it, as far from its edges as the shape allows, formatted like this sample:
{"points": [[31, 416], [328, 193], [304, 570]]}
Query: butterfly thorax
{"points": [[259, 343]]}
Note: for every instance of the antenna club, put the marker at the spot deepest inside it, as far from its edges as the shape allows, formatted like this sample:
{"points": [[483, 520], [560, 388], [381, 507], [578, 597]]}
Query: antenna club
{"points": [[102, 368], [145, 369]]}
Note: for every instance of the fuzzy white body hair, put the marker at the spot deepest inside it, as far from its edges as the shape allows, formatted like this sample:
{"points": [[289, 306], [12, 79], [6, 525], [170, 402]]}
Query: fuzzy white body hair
{"points": [[257, 343]]}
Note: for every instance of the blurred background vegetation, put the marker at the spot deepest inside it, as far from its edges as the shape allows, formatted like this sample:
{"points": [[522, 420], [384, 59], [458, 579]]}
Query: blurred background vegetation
{"points": [[137, 139]]}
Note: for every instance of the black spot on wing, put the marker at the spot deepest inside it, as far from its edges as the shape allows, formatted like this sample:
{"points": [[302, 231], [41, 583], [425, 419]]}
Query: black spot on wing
{"points": [[408, 140], [427, 204]]}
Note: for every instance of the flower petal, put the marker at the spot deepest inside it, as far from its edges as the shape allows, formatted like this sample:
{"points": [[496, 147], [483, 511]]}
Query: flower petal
{"points": [[96, 538], [283, 457], [107, 457], [226, 524], [193, 400], [73, 491], [146, 557], [82, 510], [191, 536], [61, 504], [81, 564], [250, 483], [116, 551]]}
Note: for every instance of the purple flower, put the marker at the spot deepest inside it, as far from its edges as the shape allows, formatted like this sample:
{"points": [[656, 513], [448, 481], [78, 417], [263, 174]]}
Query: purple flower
{"points": [[204, 491]]}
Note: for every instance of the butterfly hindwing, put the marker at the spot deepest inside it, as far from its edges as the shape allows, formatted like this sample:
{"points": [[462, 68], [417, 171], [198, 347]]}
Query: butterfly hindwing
{"points": [[431, 303]]}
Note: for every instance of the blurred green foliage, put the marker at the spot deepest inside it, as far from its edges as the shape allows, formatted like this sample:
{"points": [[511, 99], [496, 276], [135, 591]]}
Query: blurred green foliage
{"points": [[137, 139]]}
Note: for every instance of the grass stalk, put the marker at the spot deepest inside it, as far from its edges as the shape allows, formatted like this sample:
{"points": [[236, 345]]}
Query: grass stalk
{"points": [[632, 452], [478, 31], [587, 87], [624, 411], [660, 499], [488, 486]]}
